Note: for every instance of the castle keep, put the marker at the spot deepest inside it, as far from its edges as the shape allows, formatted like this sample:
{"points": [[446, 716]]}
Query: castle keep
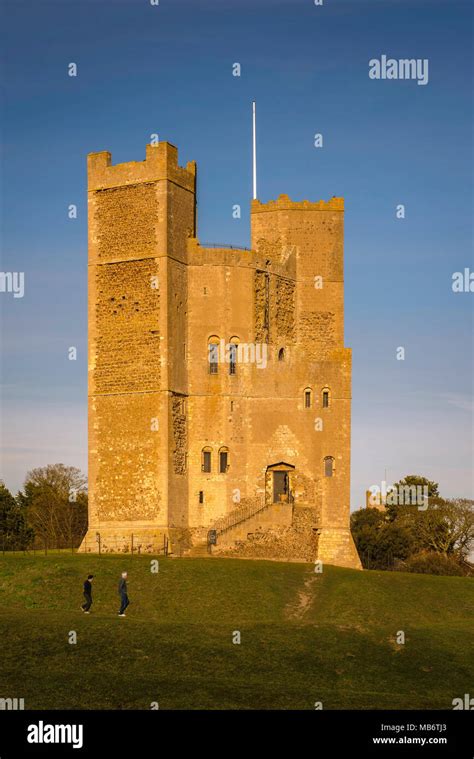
{"points": [[219, 384]]}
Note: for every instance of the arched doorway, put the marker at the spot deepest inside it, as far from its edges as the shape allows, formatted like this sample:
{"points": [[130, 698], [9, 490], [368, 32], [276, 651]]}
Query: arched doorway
{"points": [[279, 483]]}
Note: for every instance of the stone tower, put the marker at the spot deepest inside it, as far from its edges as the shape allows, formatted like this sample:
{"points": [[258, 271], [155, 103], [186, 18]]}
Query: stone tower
{"points": [[219, 384]]}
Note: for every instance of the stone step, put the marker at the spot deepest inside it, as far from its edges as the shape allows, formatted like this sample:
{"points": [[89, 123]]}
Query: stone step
{"points": [[199, 550]]}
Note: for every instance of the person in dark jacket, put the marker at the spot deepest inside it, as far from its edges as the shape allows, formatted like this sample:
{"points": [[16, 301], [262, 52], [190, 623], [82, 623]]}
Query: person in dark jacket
{"points": [[87, 594], [123, 594]]}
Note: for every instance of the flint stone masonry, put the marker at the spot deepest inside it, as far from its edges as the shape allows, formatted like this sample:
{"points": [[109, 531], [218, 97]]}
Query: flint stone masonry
{"points": [[128, 453], [262, 306], [179, 436], [284, 310], [317, 332], [127, 348], [298, 541], [120, 214], [156, 300]]}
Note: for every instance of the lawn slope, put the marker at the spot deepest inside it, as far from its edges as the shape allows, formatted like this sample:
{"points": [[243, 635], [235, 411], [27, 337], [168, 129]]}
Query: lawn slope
{"points": [[304, 637]]}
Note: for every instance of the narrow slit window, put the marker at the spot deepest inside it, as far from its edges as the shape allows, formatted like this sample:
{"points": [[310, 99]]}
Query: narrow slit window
{"points": [[223, 461], [213, 358], [307, 398], [206, 460], [233, 359], [325, 398], [328, 466]]}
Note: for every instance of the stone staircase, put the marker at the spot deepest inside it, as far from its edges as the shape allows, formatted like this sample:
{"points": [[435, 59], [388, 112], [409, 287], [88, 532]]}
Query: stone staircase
{"points": [[200, 551], [279, 531], [240, 522]]}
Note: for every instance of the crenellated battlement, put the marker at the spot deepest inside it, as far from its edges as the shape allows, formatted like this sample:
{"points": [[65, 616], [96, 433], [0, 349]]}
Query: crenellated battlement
{"points": [[284, 203], [161, 162]]}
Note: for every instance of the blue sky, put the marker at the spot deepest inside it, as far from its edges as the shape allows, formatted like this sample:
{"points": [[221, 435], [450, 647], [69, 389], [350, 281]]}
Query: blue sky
{"points": [[168, 70]]}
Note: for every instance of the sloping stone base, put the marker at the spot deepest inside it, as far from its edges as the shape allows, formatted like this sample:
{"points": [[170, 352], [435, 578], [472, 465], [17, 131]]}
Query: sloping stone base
{"points": [[336, 547]]}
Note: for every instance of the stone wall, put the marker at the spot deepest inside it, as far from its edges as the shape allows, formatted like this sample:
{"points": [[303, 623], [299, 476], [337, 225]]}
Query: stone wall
{"points": [[179, 434], [316, 332], [284, 308], [127, 458], [262, 307], [128, 346], [126, 228], [296, 542]]}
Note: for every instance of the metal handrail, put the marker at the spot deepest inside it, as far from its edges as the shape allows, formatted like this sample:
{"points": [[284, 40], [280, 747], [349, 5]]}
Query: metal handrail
{"points": [[241, 514], [222, 245], [236, 517]]}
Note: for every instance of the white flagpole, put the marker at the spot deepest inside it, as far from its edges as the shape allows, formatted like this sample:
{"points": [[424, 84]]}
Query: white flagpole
{"points": [[254, 154]]}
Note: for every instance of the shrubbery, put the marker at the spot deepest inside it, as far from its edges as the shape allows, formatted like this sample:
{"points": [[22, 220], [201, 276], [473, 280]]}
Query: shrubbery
{"points": [[429, 562]]}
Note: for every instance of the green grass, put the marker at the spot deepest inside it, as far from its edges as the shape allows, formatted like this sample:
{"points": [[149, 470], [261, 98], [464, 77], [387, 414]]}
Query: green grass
{"points": [[304, 637]]}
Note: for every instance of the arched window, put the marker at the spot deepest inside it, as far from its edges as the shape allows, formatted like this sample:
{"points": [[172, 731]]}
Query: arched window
{"points": [[206, 456], [223, 460], [328, 466], [213, 354], [325, 397], [281, 354], [308, 400], [234, 341]]}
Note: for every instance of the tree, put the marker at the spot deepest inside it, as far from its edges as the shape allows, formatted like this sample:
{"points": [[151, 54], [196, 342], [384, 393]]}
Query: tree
{"points": [[405, 494], [395, 544], [55, 500], [364, 525], [379, 541], [416, 479], [14, 533], [447, 527]]}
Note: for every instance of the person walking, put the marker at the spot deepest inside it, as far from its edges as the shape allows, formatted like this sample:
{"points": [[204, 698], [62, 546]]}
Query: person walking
{"points": [[87, 594], [124, 602]]}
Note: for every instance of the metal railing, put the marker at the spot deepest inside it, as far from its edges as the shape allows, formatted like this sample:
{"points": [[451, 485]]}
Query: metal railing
{"points": [[134, 544], [237, 516], [222, 245], [242, 513]]}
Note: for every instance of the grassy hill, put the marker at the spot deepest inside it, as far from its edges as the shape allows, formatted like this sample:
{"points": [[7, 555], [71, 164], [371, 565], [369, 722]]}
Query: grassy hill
{"points": [[305, 637]]}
